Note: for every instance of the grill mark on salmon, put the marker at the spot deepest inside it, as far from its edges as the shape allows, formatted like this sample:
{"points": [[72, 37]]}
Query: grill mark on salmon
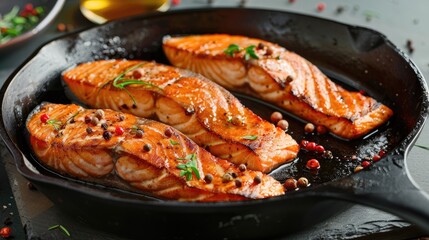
{"points": [[280, 77], [202, 110], [71, 150]]}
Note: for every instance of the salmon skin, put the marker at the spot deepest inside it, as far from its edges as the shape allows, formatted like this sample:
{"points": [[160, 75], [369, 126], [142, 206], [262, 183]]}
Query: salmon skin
{"points": [[98, 145], [199, 108], [272, 73]]}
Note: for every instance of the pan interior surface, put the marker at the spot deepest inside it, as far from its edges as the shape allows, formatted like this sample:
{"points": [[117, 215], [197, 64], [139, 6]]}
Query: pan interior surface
{"points": [[356, 58]]}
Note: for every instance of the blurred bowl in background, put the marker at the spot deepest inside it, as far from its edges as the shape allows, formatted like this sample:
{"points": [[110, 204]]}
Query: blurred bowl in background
{"points": [[51, 9]]}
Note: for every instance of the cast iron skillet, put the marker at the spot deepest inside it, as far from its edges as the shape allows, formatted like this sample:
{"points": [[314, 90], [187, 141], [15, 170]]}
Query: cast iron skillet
{"points": [[355, 57]]}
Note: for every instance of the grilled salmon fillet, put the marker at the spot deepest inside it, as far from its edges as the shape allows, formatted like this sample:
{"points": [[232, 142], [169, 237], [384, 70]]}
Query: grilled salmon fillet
{"points": [[274, 74], [97, 145], [199, 108]]}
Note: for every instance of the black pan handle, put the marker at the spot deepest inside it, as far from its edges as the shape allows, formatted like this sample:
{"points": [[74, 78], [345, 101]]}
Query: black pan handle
{"points": [[387, 186]]}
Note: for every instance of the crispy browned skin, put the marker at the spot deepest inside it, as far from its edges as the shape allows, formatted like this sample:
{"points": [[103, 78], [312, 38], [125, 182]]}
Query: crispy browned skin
{"points": [[281, 77], [202, 110], [70, 149]]}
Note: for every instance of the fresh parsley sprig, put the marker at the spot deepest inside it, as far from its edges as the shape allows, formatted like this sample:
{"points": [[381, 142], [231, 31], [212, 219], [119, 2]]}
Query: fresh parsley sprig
{"points": [[63, 229], [249, 52], [55, 123], [190, 167], [250, 137], [121, 82]]}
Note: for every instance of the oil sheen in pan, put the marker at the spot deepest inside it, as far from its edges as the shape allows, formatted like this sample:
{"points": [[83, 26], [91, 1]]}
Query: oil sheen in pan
{"points": [[346, 154]]}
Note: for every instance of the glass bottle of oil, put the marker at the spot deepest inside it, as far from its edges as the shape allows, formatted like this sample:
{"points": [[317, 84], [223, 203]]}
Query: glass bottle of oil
{"points": [[100, 11]]}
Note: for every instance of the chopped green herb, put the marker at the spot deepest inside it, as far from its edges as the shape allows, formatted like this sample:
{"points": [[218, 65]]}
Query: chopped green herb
{"points": [[63, 229], [172, 142], [250, 53], [55, 123], [190, 167], [250, 137], [17, 22], [121, 82], [233, 48], [423, 147]]}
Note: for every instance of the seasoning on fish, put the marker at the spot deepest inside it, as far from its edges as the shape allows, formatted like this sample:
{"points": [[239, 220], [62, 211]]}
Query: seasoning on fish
{"points": [[199, 108], [161, 170], [280, 77]]}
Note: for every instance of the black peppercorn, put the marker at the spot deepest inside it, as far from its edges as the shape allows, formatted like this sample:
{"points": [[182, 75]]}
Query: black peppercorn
{"points": [[238, 183], [107, 135], [208, 178], [89, 130], [242, 167], [104, 126], [147, 147], [257, 180], [139, 133]]}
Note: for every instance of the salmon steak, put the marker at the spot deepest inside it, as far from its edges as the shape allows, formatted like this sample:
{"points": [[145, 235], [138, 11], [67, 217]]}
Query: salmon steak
{"points": [[274, 74], [205, 112], [105, 146]]}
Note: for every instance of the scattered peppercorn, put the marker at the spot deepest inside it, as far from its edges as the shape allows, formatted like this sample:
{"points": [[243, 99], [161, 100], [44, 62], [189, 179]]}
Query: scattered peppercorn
{"points": [[410, 46], [147, 147], [99, 114], [290, 184], [238, 183], [168, 132], [302, 182], [309, 128], [119, 130], [321, 7], [139, 133], [313, 164], [234, 175], [208, 178], [376, 158], [327, 155], [242, 167], [319, 149], [104, 126], [358, 168], [257, 180], [61, 27], [311, 146], [321, 130], [87, 119], [137, 74], [366, 164], [89, 130], [304, 143], [5, 232], [268, 52], [44, 118], [283, 124], [340, 9], [107, 135], [227, 178], [260, 46], [94, 121], [276, 116], [121, 117]]}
